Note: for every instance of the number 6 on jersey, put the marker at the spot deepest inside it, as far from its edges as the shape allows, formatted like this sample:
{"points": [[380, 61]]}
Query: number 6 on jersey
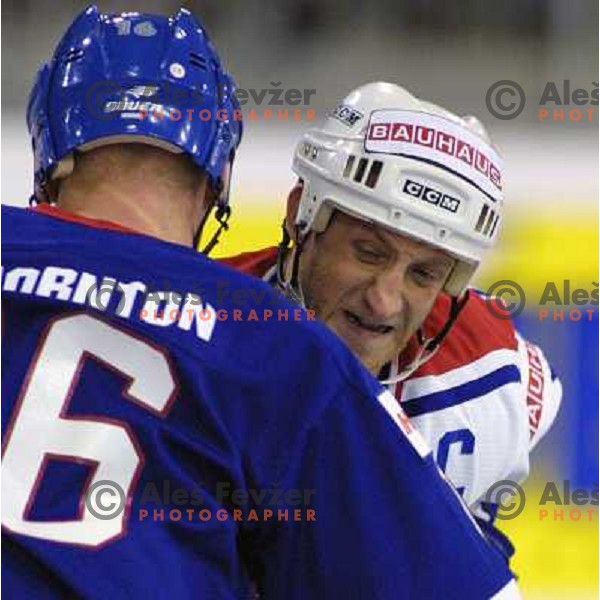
{"points": [[40, 427]]}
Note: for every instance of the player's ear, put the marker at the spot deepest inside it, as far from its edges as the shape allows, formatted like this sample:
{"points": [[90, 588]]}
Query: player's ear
{"points": [[293, 203]]}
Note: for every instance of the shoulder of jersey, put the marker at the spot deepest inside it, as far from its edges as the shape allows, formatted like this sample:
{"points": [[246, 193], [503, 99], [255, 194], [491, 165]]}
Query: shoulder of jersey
{"points": [[476, 332], [14, 219]]}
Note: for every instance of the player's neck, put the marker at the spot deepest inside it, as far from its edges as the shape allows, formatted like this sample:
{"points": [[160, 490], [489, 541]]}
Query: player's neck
{"points": [[149, 212]]}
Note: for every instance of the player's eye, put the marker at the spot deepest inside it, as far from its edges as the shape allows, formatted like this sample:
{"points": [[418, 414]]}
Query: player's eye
{"points": [[425, 276], [369, 253]]}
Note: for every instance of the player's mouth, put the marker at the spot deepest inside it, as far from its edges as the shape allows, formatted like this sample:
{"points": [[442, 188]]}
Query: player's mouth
{"points": [[365, 325]]}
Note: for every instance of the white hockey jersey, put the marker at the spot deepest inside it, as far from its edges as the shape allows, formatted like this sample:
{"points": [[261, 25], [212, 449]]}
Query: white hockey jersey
{"points": [[482, 402]]}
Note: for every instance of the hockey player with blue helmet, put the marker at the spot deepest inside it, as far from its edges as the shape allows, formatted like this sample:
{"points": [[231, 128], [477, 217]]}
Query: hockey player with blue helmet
{"points": [[85, 98]]}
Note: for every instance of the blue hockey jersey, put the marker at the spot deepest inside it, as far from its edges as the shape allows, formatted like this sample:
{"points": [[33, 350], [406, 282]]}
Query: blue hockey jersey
{"points": [[174, 429]]}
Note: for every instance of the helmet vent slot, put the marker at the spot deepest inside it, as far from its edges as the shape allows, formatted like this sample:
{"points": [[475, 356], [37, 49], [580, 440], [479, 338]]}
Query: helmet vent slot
{"points": [[482, 216], [494, 225], [198, 61], [73, 55], [488, 223], [348, 167], [374, 172], [360, 170]]}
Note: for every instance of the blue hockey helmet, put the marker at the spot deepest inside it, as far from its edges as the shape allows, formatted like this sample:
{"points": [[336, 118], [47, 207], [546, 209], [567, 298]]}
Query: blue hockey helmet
{"points": [[134, 77]]}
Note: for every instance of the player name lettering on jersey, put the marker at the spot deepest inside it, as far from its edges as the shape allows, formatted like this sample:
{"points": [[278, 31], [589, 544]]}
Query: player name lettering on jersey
{"points": [[128, 300]]}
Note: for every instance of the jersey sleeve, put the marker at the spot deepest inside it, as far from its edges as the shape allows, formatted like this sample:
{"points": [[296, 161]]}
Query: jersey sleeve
{"points": [[541, 394], [385, 518], [542, 389]]}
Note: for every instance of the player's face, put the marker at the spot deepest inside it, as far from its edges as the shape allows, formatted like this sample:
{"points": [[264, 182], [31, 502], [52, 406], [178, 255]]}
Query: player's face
{"points": [[372, 287]]}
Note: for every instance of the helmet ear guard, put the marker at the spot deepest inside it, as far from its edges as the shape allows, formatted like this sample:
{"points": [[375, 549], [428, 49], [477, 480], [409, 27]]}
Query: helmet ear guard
{"points": [[313, 214], [459, 278]]}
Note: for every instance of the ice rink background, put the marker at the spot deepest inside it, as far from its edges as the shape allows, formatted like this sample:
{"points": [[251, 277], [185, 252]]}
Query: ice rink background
{"points": [[450, 52]]}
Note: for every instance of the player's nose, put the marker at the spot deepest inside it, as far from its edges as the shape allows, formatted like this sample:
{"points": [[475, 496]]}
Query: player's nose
{"points": [[384, 297]]}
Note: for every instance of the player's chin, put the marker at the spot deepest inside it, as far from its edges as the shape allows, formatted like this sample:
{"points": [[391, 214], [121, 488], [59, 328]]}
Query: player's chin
{"points": [[371, 347], [373, 364], [373, 355]]}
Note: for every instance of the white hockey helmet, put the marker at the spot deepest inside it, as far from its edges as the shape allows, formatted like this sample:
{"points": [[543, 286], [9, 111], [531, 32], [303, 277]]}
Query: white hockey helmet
{"points": [[410, 166]]}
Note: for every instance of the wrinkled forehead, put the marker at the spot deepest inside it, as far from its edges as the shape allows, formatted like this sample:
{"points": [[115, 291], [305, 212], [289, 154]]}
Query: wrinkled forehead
{"points": [[347, 225]]}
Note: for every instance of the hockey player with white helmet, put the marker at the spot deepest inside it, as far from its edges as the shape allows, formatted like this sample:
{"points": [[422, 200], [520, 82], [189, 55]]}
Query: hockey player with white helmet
{"points": [[397, 204]]}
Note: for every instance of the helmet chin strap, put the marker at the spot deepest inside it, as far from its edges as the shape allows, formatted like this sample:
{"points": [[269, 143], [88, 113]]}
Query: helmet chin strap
{"points": [[222, 215], [429, 346], [291, 289], [420, 359]]}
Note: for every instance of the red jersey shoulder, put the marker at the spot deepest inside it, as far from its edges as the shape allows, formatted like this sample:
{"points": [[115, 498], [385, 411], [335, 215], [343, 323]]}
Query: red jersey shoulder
{"points": [[255, 263], [476, 332]]}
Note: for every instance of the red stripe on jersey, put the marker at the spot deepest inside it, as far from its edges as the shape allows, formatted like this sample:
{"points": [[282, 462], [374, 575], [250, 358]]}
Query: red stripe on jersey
{"points": [[60, 213]]}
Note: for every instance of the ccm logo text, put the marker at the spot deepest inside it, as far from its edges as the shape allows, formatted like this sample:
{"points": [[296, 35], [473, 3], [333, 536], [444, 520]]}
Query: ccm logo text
{"points": [[431, 195]]}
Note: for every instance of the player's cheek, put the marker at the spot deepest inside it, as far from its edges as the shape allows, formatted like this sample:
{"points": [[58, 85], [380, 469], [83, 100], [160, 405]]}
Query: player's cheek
{"points": [[418, 305]]}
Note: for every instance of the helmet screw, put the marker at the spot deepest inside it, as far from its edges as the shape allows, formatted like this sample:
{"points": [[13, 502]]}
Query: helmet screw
{"points": [[177, 70]]}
